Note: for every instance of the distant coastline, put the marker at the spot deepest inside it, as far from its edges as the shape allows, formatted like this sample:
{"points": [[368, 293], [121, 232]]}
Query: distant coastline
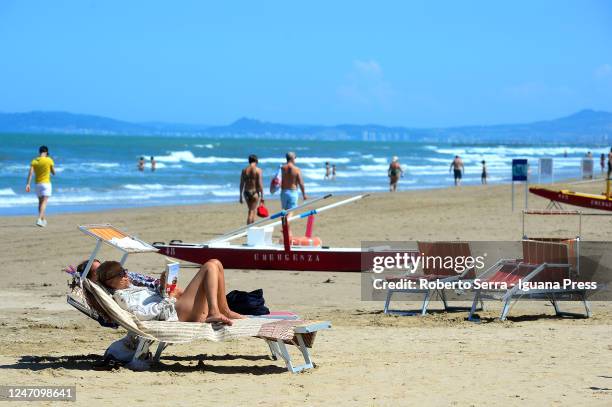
{"points": [[585, 127]]}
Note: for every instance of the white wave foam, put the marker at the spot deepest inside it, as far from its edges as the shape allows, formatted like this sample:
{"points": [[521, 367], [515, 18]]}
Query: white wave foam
{"points": [[187, 156], [306, 160], [514, 151], [7, 192], [373, 168], [227, 193], [162, 187], [102, 165]]}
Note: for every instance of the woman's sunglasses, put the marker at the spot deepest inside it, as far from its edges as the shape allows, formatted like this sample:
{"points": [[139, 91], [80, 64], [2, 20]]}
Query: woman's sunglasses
{"points": [[122, 273]]}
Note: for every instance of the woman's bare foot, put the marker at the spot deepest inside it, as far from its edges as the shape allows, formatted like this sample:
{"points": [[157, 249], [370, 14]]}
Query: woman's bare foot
{"points": [[219, 318], [234, 315]]}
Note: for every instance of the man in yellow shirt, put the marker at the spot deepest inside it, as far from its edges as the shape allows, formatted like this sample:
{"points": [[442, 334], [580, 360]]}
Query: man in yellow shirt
{"points": [[43, 167]]}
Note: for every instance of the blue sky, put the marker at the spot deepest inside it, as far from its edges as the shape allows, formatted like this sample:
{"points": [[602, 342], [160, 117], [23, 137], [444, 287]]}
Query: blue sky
{"points": [[412, 63]]}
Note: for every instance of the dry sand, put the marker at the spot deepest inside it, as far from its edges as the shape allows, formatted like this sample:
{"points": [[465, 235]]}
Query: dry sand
{"points": [[366, 359]]}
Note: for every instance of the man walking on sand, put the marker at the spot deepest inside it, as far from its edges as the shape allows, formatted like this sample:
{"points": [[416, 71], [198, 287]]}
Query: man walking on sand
{"points": [[251, 187], [291, 179], [43, 167], [458, 169]]}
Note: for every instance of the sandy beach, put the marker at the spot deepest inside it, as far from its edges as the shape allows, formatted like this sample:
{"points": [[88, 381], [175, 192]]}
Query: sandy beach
{"points": [[366, 359]]}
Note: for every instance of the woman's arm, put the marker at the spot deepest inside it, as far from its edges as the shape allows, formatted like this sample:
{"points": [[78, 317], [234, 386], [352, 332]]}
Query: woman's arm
{"points": [[241, 184]]}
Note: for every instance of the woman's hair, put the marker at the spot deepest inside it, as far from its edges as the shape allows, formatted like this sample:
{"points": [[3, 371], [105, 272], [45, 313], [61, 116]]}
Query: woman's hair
{"points": [[108, 270], [253, 159], [81, 267]]}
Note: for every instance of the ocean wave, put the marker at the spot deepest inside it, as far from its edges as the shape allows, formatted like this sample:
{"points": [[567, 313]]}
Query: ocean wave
{"points": [[163, 187], [354, 172], [187, 156], [306, 160], [516, 151], [7, 192]]}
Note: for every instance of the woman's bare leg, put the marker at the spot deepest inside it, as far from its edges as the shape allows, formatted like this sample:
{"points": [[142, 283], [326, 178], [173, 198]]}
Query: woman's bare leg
{"points": [[199, 301], [252, 204], [221, 298]]}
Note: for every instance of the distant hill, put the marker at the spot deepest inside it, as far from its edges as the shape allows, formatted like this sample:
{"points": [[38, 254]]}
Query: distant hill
{"points": [[586, 126]]}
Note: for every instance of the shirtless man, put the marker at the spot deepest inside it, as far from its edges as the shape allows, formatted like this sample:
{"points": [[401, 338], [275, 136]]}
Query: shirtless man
{"points": [[457, 166], [251, 187], [291, 179]]}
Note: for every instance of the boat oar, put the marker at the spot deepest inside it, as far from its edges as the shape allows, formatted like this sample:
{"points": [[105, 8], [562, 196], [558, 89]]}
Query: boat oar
{"points": [[241, 231]]}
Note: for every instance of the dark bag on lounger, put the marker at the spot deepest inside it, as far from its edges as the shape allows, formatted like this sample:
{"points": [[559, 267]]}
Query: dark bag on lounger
{"points": [[245, 303]]}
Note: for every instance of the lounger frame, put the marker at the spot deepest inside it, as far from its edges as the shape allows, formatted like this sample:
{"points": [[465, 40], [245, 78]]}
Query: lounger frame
{"points": [[514, 293], [428, 294], [142, 359]]}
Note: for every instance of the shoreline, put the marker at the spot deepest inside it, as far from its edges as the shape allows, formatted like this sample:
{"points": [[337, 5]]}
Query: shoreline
{"points": [[76, 209]]}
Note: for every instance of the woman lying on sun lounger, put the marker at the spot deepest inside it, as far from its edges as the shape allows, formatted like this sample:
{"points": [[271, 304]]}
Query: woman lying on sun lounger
{"points": [[136, 279], [203, 300]]}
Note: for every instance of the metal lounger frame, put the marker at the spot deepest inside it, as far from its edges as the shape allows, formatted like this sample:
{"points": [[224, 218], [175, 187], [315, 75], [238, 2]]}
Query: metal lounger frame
{"points": [[515, 293]]}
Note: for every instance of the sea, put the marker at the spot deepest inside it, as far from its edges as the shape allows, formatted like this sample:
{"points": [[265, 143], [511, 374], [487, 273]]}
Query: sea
{"points": [[97, 172]]}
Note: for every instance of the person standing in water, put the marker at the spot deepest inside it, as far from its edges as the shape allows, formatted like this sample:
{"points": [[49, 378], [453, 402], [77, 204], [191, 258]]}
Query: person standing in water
{"points": [[43, 166], [153, 163], [333, 171], [291, 180], [458, 169], [327, 170], [141, 164], [394, 173], [251, 187], [483, 176]]}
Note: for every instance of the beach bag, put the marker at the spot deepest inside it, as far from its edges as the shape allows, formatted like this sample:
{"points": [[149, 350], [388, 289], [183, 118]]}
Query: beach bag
{"points": [[275, 183], [262, 211], [245, 303]]}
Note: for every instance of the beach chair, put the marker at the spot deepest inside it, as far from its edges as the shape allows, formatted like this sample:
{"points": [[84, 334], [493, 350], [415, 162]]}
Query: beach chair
{"points": [[546, 261], [433, 272], [277, 331]]}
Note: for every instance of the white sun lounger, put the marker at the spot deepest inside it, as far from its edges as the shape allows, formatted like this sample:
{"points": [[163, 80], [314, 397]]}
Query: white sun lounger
{"points": [[276, 333]]}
